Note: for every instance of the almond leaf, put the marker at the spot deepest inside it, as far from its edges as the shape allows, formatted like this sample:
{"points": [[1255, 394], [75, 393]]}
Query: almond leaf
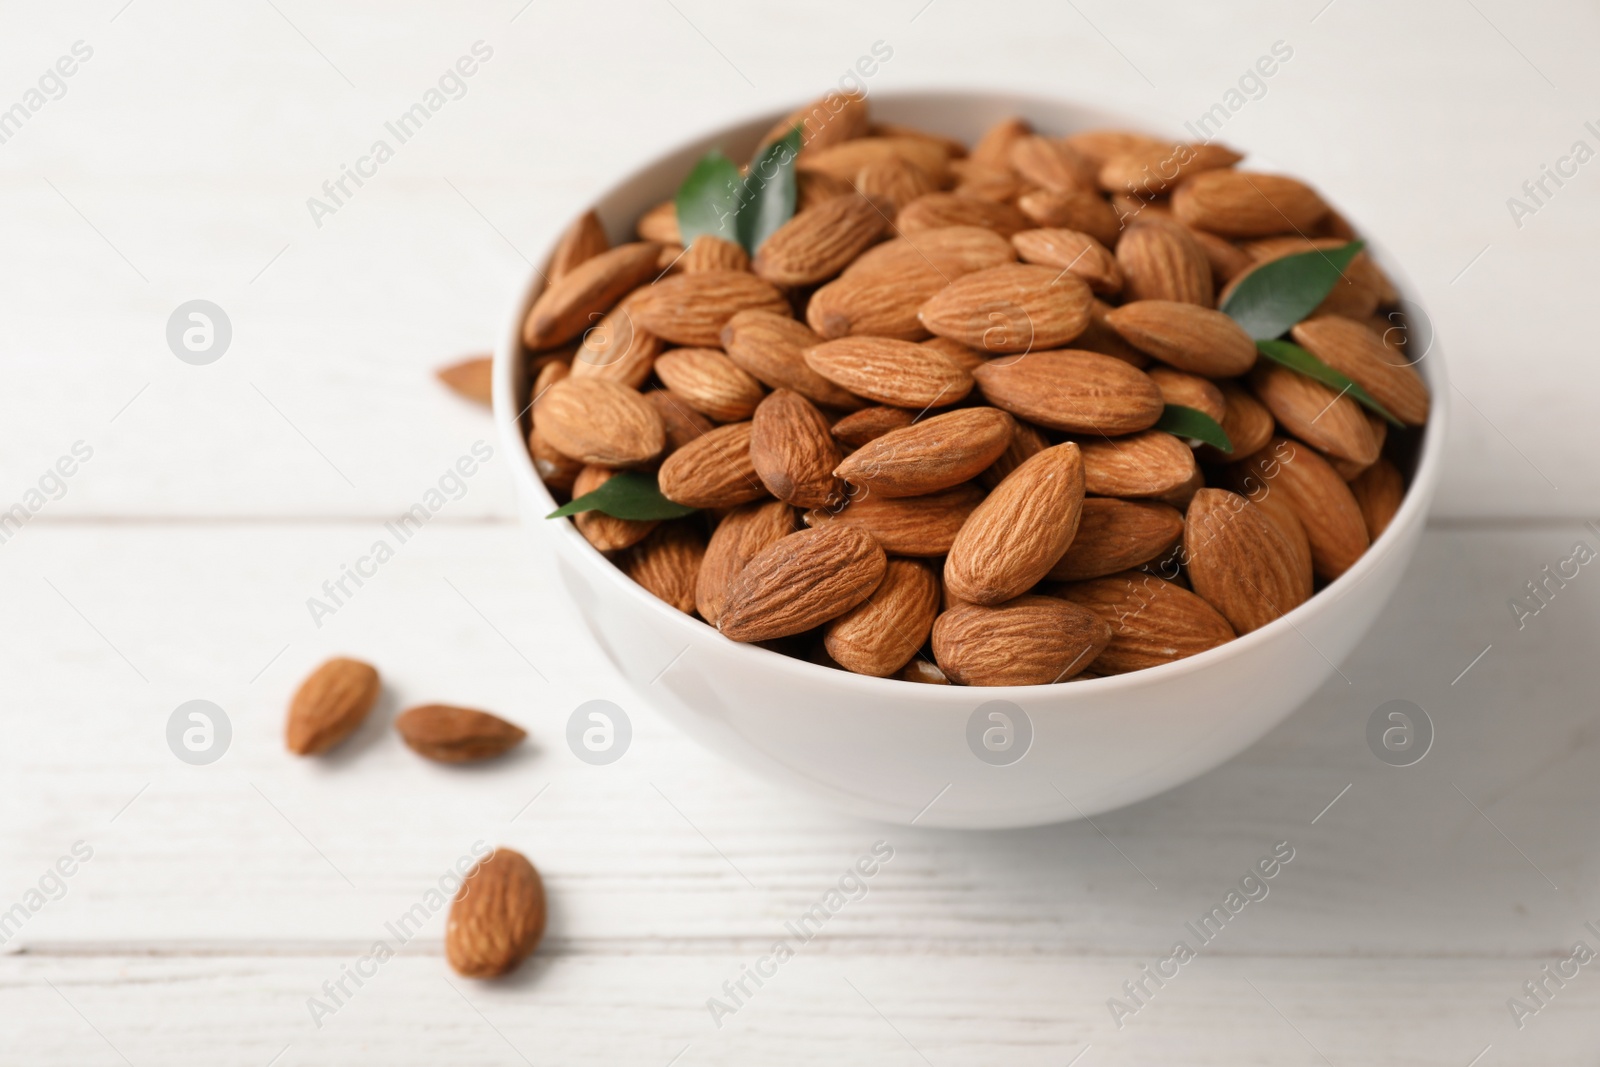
{"points": [[1298, 359], [629, 495], [767, 197], [1281, 292], [1193, 423], [708, 199]]}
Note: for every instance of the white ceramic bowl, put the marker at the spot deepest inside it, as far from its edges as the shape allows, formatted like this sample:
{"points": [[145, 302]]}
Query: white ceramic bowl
{"points": [[903, 752]]}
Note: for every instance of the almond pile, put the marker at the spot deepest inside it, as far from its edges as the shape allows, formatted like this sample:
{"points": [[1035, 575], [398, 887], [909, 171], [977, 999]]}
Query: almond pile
{"points": [[918, 424]]}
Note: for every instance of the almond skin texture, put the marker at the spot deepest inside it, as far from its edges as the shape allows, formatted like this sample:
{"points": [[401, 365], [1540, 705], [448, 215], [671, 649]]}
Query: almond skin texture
{"points": [[771, 348], [668, 562], [1190, 391], [584, 239], [1026, 442], [875, 303], [1236, 203], [558, 472], [1012, 539], [1083, 211], [660, 224], [617, 348], [573, 302], [741, 535], [497, 918], [1052, 164], [892, 372], [600, 422], [450, 734], [869, 424], [930, 455], [907, 526], [470, 378], [1032, 640], [1186, 336], [1152, 621], [1160, 261], [1153, 171], [681, 422], [709, 252], [1146, 464], [1018, 307], [950, 252], [692, 309], [605, 532], [1321, 501], [1117, 535], [1276, 507], [893, 183], [713, 471], [1379, 491], [329, 705], [802, 581], [825, 122], [1072, 390], [1353, 350], [793, 452], [1238, 562], [845, 160], [816, 244], [938, 210], [1245, 420], [1098, 336], [1309, 410], [880, 635], [710, 382], [1073, 251]]}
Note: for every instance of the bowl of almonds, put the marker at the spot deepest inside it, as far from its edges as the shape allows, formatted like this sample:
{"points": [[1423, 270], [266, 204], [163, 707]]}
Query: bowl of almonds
{"points": [[971, 459]]}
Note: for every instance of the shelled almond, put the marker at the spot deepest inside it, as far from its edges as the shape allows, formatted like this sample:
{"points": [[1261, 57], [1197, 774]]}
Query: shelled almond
{"points": [[920, 419]]}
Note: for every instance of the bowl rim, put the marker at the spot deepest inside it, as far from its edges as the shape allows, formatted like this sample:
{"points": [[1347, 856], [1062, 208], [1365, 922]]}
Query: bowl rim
{"points": [[1412, 511]]}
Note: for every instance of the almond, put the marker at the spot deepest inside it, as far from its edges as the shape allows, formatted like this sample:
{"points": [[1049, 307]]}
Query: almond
{"points": [[907, 526], [497, 918], [456, 735], [1190, 391], [660, 224], [934, 211], [933, 454], [1053, 164], [771, 347], [1238, 562], [584, 239], [1161, 261], [605, 533], [954, 149], [968, 359], [1349, 470], [1072, 251], [329, 705], [1032, 640], [878, 636], [836, 117], [1152, 172], [1026, 442], [713, 471], [681, 422], [890, 372], [950, 252], [1098, 336], [599, 421], [1184, 335], [1071, 390], [921, 671], [1245, 420], [1361, 288], [1228, 261], [618, 349], [1141, 465], [1100, 146], [801, 581], [1321, 501], [471, 378], [668, 562], [1152, 621], [812, 189], [793, 452], [1382, 370], [1018, 307], [894, 183], [1020, 530], [558, 472], [741, 535], [876, 304], [692, 309], [815, 245], [710, 382], [869, 424], [1116, 535], [994, 147], [1236, 203], [547, 375], [574, 301], [1379, 491], [1083, 211], [1309, 410], [1278, 510], [846, 159], [709, 252]]}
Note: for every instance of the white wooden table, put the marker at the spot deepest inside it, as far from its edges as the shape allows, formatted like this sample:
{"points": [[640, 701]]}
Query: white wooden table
{"points": [[176, 563]]}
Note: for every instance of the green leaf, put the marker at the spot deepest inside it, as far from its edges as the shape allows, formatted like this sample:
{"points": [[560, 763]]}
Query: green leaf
{"points": [[708, 199], [1188, 422], [1298, 359], [767, 198], [1278, 294], [629, 495]]}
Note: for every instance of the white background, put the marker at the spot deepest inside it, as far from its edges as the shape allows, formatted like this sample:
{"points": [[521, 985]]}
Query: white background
{"points": [[177, 565]]}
